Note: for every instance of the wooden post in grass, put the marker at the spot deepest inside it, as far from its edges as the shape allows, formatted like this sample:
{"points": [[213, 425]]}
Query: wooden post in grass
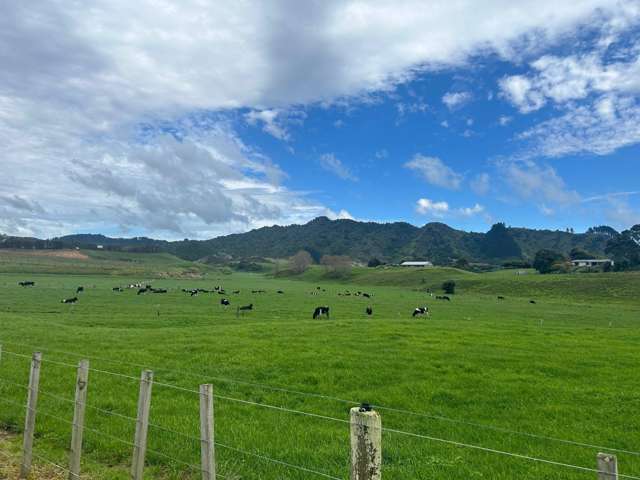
{"points": [[207, 438], [82, 382], [607, 467], [30, 419], [366, 444], [142, 425]]}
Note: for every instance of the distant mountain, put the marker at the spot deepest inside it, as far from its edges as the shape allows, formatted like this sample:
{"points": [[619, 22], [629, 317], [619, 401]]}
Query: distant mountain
{"points": [[362, 241]]}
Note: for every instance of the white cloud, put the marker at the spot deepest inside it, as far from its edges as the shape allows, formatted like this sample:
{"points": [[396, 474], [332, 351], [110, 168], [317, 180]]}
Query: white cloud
{"points": [[471, 211], [424, 206], [505, 120], [540, 184], [381, 154], [481, 183], [341, 215], [455, 100], [272, 122], [521, 92], [600, 127], [435, 171], [441, 209], [332, 164]]}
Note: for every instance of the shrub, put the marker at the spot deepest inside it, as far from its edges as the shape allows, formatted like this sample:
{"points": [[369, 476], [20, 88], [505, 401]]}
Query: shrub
{"points": [[449, 287]]}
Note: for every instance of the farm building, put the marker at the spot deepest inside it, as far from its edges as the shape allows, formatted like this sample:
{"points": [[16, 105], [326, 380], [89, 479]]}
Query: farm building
{"points": [[421, 263], [591, 262]]}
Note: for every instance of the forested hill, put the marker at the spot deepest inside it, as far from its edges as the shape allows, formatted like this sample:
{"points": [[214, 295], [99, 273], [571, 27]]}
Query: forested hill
{"points": [[362, 241]]}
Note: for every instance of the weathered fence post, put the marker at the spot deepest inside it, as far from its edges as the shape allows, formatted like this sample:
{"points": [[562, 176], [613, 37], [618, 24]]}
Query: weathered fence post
{"points": [[207, 438], [78, 419], [30, 420], [142, 425], [366, 444], [607, 466]]}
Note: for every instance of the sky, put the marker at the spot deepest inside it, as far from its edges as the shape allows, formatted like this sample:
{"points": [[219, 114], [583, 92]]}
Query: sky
{"points": [[195, 119]]}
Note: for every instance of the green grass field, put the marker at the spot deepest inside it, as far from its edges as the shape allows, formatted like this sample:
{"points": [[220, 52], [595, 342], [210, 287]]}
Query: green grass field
{"points": [[565, 367]]}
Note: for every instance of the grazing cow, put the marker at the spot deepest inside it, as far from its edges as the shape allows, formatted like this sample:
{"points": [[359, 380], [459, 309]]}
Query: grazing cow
{"points": [[369, 311], [420, 311], [158, 290], [70, 300], [221, 292], [28, 283], [141, 291], [500, 297], [280, 292], [319, 311], [79, 289], [236, 292], [225, 302], [258, 291], [532, 301], [116, 289], [366, 295], [443, 297], [244, 308]]}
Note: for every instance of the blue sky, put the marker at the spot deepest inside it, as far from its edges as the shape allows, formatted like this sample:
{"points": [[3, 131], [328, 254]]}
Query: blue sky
{"points": [[195, 122]]}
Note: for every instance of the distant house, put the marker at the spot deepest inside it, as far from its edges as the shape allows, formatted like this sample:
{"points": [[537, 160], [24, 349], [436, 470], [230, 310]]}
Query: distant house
{"points": [[99, 247], [591, 262], [421, 263]]}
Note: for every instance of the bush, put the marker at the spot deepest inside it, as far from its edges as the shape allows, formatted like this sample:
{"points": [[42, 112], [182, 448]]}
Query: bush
{"points": [[374, 262], [547, 261], [449, 287]]}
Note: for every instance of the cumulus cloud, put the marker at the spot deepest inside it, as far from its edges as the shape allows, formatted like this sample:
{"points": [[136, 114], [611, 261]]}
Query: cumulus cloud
{"points": [[275, 121], [441, 209], [424, 206], [455, 100], [435, 172], [332, 164]]}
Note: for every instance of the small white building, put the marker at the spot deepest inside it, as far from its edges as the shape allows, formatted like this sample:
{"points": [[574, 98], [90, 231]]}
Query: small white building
{"points": [[421, 263], [591, 262], [100, 247]]}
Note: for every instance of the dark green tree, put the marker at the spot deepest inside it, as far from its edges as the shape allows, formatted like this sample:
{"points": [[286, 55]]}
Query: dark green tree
{"points": [[546, 261], [449, 287]]}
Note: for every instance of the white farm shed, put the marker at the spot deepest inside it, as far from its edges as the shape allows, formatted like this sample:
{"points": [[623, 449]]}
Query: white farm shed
{"points": [[421, 263]]}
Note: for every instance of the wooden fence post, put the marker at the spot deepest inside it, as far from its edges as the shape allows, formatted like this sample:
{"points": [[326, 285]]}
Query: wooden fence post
{"points": [[207, 436], [30, 420], [366, 444], [82, 381], [607, 466], [142, 425]]}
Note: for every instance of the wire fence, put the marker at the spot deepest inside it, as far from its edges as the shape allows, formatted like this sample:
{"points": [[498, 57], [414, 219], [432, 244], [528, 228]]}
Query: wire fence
{"points": [[140, 443]]}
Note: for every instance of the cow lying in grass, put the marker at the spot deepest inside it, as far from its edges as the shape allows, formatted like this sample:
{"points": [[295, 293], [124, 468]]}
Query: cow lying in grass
{"points": [[27, 284]]}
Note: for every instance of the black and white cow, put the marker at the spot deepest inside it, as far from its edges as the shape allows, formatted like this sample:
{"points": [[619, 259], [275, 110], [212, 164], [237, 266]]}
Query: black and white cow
{"points": [[419, 311], [225, 302], [27, 283], [320, 311], [70, 300]]}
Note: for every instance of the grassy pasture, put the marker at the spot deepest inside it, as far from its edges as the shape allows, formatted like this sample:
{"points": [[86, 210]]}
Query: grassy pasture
{"points": [[565, 367]]}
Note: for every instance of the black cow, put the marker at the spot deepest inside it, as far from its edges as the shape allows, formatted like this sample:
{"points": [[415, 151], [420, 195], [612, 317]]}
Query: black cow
{"points": [[79, 289], [28, 283], [280, 292], [244, 308], [319, 311], [420, 311], [225, 302], [369, 311], [142, 290], [366, 295], [500, 297], [70, 300], [532, 301], [443, 297], [116, 289], [158, 290], [236, 292]]}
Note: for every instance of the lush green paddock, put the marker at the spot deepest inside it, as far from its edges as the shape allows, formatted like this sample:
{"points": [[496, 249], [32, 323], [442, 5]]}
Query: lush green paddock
{"points": [[564, 367]]}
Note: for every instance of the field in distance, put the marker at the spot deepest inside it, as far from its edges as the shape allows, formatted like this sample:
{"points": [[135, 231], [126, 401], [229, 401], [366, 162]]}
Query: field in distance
{"points": [[477, 371]]}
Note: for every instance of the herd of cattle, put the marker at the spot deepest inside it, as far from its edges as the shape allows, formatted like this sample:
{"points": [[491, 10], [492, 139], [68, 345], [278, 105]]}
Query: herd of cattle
{"points": [[321, 311]]}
